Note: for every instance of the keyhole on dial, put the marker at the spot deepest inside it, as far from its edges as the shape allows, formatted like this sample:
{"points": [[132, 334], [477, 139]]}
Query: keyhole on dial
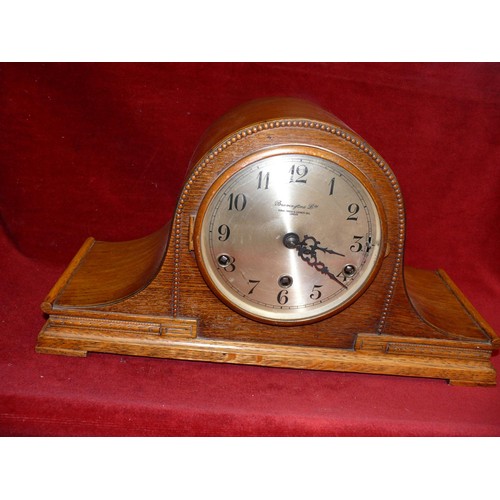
{"points": [[349, 270], [224, 260], [285, 281]]}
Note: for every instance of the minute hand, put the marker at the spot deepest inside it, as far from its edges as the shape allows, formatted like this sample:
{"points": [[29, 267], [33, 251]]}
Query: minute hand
{"points": [[307, 252]]}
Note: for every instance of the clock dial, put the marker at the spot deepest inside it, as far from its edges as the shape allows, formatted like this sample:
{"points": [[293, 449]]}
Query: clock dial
{"points": [[290, 237]]}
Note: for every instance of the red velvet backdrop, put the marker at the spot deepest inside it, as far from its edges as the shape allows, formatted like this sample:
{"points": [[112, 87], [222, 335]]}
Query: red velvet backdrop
{"points": [[101, 150]]}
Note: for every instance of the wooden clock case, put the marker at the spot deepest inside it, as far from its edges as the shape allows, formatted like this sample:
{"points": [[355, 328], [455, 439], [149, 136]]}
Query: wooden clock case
{"points": [[147, 297]]}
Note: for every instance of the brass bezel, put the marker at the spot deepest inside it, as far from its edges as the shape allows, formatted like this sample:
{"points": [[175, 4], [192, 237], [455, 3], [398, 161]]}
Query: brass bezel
{"points": [[281, 150]]}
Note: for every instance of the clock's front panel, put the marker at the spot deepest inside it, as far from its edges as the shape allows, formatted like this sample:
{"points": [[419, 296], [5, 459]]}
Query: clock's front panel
{"points": [[289, 238]]}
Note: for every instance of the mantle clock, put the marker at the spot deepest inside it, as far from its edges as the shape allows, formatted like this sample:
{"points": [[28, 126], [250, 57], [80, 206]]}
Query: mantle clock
{"points": [[285, 250]]}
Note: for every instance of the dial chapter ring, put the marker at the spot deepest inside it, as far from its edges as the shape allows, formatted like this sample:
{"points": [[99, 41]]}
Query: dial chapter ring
{"points": [[244, 163]]}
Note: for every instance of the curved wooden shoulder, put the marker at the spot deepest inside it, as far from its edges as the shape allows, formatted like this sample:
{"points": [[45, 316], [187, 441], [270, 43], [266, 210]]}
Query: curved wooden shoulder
{"points": [[106, 272]]}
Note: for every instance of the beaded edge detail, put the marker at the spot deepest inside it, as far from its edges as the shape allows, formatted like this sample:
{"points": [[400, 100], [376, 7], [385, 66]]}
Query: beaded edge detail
{"points": [[349, 137]]}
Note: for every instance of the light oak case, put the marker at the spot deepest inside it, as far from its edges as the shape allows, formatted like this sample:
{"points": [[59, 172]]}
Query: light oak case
{"points": [[147, 297]]}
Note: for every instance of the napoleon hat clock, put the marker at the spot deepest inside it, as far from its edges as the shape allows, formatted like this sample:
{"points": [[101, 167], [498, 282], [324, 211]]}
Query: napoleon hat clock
{"points": [[285, 249]]}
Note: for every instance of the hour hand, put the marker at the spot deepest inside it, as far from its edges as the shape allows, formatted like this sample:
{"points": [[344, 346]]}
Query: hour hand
{"points": [[307, 246], [310, 244], [307, 252]]}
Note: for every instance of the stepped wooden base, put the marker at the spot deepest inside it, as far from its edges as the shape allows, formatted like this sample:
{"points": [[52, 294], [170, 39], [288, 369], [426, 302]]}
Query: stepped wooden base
{"points": [[164, 337], [458, 348], [435, 332]]}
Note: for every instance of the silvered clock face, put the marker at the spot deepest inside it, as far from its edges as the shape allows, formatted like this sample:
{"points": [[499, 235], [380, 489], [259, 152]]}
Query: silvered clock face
{"points": [[289, 238]]}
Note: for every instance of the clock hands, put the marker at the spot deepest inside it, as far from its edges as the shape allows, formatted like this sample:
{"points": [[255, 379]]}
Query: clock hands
{"points": [[307, 249]]}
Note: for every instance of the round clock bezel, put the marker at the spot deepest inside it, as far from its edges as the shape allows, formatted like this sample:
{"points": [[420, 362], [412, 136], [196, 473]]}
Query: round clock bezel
{"points": [[282, 150]]}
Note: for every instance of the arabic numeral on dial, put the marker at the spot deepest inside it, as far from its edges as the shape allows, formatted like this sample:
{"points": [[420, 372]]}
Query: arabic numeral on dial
{"points": [[263, 180], [357, 246], [316, 293], [332, 186], [238, 202], [368, 244], [224, 232], [282, 297], [253, 284], [297, 173], [353, 210], [342, 276]]}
